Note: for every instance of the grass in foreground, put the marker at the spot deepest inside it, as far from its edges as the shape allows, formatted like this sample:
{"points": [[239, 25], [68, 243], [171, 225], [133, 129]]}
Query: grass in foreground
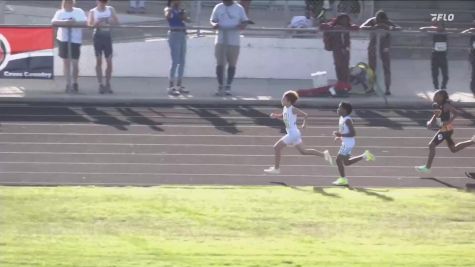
{"points": [[235, 226]]}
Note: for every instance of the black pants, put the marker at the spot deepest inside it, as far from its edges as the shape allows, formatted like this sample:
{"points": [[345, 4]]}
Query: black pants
{"points": [[439, 61]]}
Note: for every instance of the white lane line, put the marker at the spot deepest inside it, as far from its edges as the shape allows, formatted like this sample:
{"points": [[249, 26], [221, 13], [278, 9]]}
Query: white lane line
{"points": [[200, 145], [213, 164], [237, 125], [311, 118], [222, 174], [216, 135], [188, 154]]}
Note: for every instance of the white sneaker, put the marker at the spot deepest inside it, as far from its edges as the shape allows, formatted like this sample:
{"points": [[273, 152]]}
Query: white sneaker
{"points": [[328, 157], [272, 170], [473, 138]]}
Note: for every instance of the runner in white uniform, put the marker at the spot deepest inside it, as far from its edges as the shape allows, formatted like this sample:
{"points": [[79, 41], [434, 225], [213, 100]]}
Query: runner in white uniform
{"points": [[346, 134], [293, 136]]}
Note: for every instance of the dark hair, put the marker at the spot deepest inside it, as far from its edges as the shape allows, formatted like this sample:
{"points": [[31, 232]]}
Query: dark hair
{"points": [[444, 95], [169, 3], [347, 106], [381, 16], [291, 96]]}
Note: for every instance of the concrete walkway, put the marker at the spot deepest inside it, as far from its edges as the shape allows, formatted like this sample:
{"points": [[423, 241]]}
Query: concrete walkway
{"points": [[246, 92]]}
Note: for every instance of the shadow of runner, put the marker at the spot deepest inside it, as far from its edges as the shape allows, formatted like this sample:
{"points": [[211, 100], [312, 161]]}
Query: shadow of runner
{"points": [[260, 118], [441, 182], [101, 117], [137, 117], [319, 190], [218, 122], [370, 192]]}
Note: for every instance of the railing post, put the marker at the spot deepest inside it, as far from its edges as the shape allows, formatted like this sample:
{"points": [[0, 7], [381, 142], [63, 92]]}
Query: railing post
{"points": [[70, 65]]}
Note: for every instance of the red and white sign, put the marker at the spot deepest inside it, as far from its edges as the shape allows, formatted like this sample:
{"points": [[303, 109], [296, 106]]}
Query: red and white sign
{"points": [[26, 53]]}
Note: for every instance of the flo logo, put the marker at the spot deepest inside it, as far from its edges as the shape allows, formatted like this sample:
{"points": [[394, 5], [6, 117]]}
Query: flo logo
{"points": [[442, 17]]}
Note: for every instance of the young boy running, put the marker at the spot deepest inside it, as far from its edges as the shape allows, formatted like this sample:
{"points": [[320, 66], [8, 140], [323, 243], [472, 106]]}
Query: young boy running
{"points": [[293, 136], [446, 114], [346, 135]]}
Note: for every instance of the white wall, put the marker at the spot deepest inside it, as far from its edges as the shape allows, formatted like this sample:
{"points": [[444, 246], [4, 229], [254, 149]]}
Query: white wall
{"points": [[259, 58]]}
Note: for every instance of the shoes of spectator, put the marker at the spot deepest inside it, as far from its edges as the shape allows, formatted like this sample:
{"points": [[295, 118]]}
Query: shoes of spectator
{"points": [[108, 89], [183, 90], [75, 87], [220, 91], [141, 10], [102, 89], [387, 93], [68, 90], [173, 91], [227, 90], [131, 10]]}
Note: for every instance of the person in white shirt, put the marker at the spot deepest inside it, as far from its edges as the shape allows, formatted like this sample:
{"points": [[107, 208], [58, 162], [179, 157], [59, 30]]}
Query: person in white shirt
{"points": [[346, 134], [293, 136], [69, 15], [100, 17], [229, 18]]}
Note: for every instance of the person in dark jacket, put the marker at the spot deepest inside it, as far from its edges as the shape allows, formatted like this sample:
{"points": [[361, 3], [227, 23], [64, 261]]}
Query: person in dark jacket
{"points": [[380, 22], [439, 53], [339, 44], [472, 56]]}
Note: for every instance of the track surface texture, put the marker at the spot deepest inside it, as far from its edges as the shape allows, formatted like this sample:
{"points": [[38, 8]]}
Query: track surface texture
{"points": [[216, 145]]}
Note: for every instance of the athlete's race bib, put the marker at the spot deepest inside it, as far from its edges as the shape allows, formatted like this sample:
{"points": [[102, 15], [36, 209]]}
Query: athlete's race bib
{"points": [[440, 46]]}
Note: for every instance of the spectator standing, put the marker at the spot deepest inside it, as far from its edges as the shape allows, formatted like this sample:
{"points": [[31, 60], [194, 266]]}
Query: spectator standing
{"points": [[228, 18], [439, 54], [100, 18], [136, 6], [380, 22], [68, 16], [337, 40], [176, 17], [472, 56]]}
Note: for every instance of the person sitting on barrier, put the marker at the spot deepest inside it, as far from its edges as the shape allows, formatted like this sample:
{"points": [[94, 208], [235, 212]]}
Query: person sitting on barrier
{"points": [[337, 39], [100, 17], [228, 18], [69, 16], [176, 17], [472, 56], [380, 22], [439, 53]]}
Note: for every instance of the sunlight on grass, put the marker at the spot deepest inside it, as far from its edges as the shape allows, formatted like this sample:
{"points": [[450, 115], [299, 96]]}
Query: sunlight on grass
{"points": [[235, 226]]}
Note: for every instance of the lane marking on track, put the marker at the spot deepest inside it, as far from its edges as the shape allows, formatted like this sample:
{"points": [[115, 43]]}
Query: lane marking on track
{"points": [[161, 108], [189, 154], [212, 164], [216, 135], [223, 174]]}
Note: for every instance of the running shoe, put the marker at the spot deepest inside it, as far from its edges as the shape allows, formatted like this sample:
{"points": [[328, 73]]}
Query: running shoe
{"points": [[342, 181], [422, 169], [473, 138], [368, 156], [272, 170], [328, 157]]}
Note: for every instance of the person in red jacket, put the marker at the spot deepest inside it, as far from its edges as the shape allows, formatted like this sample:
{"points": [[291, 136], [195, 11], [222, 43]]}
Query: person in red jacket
{"points": [[337, 40]]}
